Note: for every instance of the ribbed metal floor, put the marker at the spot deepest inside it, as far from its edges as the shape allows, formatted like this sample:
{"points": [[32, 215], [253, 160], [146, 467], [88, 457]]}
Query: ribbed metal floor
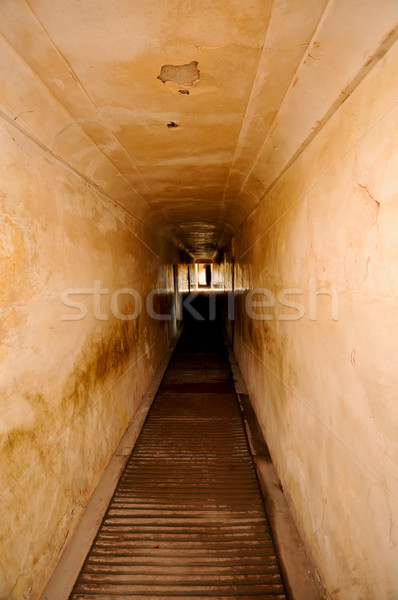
{"points": [[187, 518]]}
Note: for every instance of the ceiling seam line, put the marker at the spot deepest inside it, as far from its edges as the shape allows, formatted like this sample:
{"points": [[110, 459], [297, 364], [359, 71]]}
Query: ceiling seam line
{"points": [[91, 185], [67, 113], [76, 78], [339, 102], [243, 121], [302, 61]]}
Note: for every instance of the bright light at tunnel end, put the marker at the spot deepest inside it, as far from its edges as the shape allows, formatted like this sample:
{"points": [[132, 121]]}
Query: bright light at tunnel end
{"points": [[259, 304]]}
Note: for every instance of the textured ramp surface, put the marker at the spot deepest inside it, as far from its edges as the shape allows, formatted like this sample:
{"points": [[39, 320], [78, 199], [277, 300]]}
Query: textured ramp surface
{"points": [[187, 518]]}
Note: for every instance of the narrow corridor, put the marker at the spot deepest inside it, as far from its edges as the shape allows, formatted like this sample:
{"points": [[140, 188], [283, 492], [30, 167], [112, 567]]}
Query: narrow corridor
{"points": [[244, 151], [187, 518]]}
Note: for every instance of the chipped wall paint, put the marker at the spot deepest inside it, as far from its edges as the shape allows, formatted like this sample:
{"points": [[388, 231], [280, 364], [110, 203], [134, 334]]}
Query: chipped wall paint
{"points": [[185, 75], [325, 390], [68, 388]]}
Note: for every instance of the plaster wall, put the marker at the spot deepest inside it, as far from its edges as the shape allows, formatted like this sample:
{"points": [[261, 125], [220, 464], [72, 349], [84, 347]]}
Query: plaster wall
{"points": [[324, 383], [71, 376], [293, 123]]}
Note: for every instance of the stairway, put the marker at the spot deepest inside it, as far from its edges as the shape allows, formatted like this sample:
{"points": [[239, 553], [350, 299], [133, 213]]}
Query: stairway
{"points": [[187, 518]]}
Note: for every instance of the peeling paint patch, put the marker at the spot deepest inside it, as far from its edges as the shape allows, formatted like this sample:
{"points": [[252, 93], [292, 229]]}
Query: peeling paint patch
{"points": [[185, 75]]}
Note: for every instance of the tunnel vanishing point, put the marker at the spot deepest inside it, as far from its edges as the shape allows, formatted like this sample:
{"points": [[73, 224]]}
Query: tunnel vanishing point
{"points": [[164, 158]]}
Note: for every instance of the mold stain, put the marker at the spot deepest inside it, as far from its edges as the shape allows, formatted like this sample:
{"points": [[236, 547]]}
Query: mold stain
{"points": [[23, 446], [13, 253], [100, 357]]}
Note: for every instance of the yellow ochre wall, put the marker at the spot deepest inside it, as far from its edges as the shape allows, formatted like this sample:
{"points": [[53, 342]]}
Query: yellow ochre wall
{"points": [[69, 388], [325, 385], [288, 140]]}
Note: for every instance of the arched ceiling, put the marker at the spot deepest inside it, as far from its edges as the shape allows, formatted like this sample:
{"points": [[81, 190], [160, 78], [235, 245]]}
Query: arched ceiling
{"points": [[83, 79]]}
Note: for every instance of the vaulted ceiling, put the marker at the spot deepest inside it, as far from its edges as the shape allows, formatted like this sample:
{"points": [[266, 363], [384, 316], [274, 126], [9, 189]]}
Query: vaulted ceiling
{"points": [[253, 81]]}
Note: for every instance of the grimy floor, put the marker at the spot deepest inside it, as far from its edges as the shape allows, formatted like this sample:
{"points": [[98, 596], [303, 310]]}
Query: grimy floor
{"points": [[187, 518]]}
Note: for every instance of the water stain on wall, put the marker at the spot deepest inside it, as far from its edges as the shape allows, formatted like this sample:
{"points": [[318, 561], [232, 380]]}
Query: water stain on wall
{"points": [[13, 253], [101, 355], [23, 446]]}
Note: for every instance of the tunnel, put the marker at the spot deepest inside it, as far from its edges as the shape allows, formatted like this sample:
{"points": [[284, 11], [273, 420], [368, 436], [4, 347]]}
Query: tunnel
{"points": [[199, 249]]}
